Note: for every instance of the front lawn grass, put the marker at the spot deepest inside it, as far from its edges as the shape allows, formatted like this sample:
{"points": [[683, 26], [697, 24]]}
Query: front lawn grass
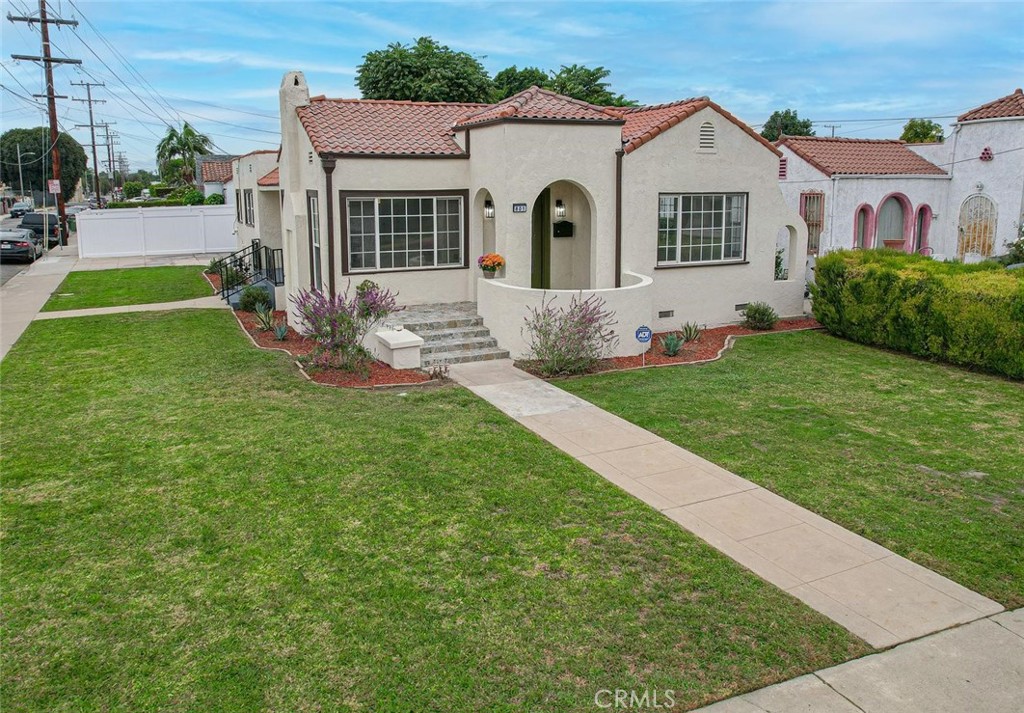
{"points": [[187, 524], [925, 459], [128, 286]]}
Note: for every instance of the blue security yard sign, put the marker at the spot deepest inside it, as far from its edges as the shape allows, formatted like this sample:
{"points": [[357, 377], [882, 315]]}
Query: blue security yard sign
{"points": [[643, 334]]}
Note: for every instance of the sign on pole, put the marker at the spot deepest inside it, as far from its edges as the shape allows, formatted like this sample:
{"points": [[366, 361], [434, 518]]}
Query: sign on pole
{"points": [[53, 186], [643, 335]]}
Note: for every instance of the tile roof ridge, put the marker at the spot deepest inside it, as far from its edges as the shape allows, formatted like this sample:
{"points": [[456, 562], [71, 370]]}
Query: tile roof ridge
{"points": [[665, 105], [402, 102]]}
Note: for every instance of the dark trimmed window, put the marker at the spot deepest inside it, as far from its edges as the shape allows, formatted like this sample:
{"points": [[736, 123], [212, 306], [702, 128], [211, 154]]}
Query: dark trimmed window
{"points": [[701, 227], [405, 232]]}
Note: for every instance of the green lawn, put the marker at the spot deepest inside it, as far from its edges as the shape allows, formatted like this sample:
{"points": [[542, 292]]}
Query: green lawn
{"points": [[925, 459], [128, 286], [188, 524]]}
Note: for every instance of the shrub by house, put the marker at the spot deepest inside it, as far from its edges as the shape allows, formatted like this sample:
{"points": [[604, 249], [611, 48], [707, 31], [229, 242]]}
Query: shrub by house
{"points": [[971, 315]]}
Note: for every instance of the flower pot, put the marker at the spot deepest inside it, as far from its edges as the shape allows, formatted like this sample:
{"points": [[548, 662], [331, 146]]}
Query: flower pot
{"points": [[893, 244], [489, 274]]}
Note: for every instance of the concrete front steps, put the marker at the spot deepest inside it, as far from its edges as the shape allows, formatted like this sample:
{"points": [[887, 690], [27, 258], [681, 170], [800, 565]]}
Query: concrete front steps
{"points": [[452, 334]]}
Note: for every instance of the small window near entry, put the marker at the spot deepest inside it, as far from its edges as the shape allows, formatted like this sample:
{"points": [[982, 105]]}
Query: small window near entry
{"points": [[706, 140], [783, 168], [238, 206], [812, 204], [250, 212]]}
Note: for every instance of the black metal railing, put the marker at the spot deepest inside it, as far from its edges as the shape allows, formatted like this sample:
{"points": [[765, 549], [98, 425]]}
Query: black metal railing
{"points": [[252, 263]]}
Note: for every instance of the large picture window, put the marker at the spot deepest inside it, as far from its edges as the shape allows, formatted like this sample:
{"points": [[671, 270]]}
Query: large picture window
{"points": [[405, 232], [701, 227]]}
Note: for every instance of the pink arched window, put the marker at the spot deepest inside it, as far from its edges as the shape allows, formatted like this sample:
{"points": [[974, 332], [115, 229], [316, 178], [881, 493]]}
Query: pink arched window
{"points": [[863, 225]]}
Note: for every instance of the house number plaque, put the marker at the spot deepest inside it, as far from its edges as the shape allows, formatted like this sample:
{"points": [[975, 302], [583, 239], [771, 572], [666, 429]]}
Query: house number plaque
{"points": [[518, 207]]}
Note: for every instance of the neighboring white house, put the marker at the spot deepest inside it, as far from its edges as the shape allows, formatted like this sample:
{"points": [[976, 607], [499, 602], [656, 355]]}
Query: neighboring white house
{"points": [[669, 213], [962, 197], [257, 198], [214, 176]]}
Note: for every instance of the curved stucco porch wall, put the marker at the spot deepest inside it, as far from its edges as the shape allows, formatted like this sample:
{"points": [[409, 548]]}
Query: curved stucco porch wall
{"points": [[505, 307]]}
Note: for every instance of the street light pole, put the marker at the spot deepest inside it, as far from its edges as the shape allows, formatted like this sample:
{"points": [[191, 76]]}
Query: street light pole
{"points": [[21, 181]]}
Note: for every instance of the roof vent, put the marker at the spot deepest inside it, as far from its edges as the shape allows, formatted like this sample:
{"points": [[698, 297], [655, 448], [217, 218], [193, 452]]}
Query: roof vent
{"points": [[783, 168], [986, 154], [706, 141]]}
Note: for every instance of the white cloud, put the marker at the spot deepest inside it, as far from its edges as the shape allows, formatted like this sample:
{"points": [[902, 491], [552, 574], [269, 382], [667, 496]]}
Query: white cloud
{"points": [[242, 59]]}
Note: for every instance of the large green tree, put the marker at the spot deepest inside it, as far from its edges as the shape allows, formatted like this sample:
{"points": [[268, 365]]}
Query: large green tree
{"points": [[786, 122], [425, 71], [513, 80], [185, 144], [922, 131], [587, 84], [37, 167]]}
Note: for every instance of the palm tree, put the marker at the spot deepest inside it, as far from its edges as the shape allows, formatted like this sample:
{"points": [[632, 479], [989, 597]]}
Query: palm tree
{"points": [[186, 144]]}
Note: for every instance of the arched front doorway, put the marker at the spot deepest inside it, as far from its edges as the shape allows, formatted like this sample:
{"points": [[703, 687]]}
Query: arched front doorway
{"points": [[562, 245], [977, 228]]}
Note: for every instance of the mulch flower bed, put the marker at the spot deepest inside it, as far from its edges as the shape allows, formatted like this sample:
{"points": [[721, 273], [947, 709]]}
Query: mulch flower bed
{"points": [[297, 345], [706, 348], [214, 279]]}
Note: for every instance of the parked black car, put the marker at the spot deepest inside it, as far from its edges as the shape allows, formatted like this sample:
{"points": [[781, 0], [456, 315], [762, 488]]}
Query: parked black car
{"points": [[19, 244], [21, 208], [43, 224]]}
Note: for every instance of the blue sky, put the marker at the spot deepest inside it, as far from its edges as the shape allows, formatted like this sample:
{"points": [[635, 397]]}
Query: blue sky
{"points": [[218, 64]]}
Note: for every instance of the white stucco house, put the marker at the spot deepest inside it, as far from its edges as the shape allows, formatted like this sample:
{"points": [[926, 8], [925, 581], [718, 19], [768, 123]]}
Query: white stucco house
{"points": [[669, 213], [257, 198], [214, 176], [961, 198]]}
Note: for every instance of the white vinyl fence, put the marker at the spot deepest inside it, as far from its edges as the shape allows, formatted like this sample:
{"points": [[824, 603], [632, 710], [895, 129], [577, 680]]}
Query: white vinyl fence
{"points": [[174, 230]]}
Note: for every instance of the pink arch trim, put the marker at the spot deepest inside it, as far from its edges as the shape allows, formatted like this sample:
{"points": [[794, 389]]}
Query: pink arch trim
{"points": [[908, 220], [869, 225]]}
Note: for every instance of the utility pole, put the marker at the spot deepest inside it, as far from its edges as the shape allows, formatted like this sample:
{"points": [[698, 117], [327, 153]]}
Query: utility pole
{"points": [[833, 127], [92, 130], [51, 97], [21, 181]]}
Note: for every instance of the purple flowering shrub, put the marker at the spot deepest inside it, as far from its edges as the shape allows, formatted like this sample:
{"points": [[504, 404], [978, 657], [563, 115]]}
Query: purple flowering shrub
{"points": [[339, 324], [571, 339]]}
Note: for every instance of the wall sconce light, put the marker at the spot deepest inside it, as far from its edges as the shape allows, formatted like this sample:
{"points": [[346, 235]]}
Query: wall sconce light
{"points": [[488, 209], [559, 208]]}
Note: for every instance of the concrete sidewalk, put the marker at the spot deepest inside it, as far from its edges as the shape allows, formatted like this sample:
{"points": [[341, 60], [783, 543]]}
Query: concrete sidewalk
{"points": [[976, 667], [876, 594], [24, 295]]}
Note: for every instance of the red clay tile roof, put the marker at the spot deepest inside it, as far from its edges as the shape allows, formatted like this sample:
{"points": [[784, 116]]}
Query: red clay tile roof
{"points": [[383, 127], [859, 156], [643, 123], [536, 103], [271, 179], [1005, 107], [216, 171]]}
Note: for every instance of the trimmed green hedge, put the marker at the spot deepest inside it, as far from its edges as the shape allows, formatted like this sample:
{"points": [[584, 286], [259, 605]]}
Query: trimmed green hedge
{"points": [[972, 315], [147, 204]]}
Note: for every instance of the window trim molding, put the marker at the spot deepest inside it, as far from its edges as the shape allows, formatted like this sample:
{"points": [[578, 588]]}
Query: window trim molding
{"points": [[343, 197], [658, 265], [311, 194], [869, 226]]}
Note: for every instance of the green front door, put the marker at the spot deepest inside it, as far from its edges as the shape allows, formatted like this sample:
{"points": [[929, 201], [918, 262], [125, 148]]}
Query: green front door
{"points": [[540, 276]]}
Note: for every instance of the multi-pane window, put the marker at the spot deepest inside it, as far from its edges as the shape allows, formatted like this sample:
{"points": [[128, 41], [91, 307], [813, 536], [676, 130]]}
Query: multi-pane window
{"points": [[812, 206], [313, 211], [406, 232], [696, 227], [238, 206], [250, 213]]}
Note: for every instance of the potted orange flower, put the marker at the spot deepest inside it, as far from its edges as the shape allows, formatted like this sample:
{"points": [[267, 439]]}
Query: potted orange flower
{"points": [[490, 264]]}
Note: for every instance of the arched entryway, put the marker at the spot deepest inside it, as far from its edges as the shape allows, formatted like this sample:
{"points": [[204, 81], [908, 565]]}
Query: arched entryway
{"points": [[562, 244], [977, 228]]}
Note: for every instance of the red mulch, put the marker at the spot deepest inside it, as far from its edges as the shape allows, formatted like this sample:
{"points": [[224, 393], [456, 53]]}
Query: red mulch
{"points": [[297, 345], [711, 342], [214, 280]]}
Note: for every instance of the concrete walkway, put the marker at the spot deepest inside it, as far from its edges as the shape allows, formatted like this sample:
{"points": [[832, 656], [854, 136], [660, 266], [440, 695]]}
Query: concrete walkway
{"points": [[977, 667], [876, 594], [212, 302]]}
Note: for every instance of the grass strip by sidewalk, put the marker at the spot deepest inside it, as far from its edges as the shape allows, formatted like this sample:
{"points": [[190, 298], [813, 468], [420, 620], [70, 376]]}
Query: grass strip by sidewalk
{"points": [[188, 524], [128, 286], [924, 459]]}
